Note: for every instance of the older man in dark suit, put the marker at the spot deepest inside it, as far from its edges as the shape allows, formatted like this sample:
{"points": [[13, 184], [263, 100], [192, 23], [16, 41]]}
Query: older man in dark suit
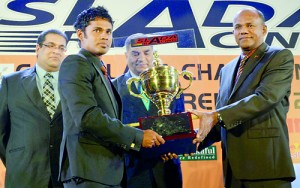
{"points": [[94, 137], [252, 105], [141, 172], [31, 118]]}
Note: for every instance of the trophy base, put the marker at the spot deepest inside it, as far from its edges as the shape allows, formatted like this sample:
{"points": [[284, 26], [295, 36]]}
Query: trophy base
{"points": [[170, 127], [176, 129]]}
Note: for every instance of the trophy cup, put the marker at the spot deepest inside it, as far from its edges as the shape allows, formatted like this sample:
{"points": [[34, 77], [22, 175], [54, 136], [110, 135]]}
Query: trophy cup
{"points": [[161, 85]]}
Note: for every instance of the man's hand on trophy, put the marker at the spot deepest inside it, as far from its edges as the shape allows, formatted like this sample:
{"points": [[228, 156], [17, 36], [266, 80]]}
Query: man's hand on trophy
{"points": [[206, 122], [186, 155], [169, 156], [151, 138]]}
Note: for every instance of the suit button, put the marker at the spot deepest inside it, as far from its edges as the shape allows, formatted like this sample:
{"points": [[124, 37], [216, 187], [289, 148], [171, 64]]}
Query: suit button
{"points": [[51, 146]]}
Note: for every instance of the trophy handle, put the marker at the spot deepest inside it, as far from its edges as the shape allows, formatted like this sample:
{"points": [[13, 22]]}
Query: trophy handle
{"points": [[189, 75], [129, 83]]}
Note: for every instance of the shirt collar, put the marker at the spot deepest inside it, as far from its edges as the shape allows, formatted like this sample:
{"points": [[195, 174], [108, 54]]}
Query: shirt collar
{"points": [[133, 75], [41, 72]]}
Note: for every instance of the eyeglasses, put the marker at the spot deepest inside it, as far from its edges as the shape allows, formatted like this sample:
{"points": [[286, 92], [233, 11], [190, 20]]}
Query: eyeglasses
{"points": [[53, 47]]}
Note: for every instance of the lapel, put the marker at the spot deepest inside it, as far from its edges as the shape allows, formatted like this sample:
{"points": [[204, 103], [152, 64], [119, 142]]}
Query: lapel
{"points": [[153, 110], [57, 111], [227, 78], [30, 86], [250, 65], [97, 64]]}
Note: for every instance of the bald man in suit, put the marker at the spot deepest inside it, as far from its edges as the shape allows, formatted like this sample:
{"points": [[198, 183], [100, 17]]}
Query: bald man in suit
{"points": [[252, 106]]}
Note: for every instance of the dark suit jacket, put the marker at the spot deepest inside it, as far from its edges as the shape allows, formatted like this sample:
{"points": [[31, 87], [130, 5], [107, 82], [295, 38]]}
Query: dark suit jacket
{"points": [[256, 141], [30, 140], [147, 172], [94, 138]]}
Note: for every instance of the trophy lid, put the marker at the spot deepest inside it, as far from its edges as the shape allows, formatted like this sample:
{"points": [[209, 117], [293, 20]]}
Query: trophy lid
{"points": [[157, 60]]}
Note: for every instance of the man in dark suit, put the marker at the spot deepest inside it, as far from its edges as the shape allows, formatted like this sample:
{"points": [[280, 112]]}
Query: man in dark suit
{"points": [[252, 105], [30, 130], [94, 138], [143, 172]]}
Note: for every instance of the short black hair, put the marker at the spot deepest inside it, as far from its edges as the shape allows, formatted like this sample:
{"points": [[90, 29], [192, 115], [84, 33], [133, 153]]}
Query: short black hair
{"points": [[42, 36], [90, 14]]}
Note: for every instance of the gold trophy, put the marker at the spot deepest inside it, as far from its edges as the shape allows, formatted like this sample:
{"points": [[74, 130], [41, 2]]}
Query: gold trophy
{"points": [[160, 84]]}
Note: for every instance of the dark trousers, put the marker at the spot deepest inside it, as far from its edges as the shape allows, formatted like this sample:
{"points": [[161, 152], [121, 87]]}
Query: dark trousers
{"points": [[81, 183], [260, 184], [232, 182]]}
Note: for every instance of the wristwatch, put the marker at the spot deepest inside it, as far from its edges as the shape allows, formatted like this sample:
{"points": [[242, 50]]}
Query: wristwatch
{"points": [[220, 121]]}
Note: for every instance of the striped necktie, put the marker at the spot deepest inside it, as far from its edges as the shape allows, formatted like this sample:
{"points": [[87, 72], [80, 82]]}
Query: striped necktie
{"points": [[105, 74], [241, 68], [48, 94], [242, 64], [104, 71]]}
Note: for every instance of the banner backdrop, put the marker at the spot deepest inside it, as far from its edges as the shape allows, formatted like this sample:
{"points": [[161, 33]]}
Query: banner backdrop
{"points": [[208, 22]]}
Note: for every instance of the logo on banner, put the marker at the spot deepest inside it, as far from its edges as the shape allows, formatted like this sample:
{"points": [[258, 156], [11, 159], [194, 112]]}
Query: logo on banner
{"points": [[207, 154], [154, 40]]}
